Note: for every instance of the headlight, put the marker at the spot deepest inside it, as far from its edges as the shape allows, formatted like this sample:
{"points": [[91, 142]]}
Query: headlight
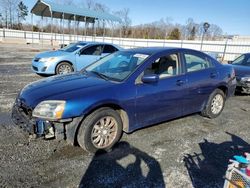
{"points": [[49, 60], [50, 110], [245, 79]]}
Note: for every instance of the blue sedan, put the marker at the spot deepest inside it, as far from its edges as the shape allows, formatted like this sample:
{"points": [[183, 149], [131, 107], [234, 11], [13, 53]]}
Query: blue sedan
{"points": [[124, 91], [241, 66], [73, 57]]}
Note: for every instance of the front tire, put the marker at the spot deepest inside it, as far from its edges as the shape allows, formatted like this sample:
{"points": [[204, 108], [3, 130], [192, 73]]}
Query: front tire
{"points": [[215, 104], [100, 130], [64, 68]]}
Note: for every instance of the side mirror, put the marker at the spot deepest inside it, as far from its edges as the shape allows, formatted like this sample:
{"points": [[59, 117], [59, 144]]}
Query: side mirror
{"points": [[151, 78], [230, 62]]}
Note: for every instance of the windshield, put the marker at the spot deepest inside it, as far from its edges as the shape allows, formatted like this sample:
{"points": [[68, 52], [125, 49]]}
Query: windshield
{"points": [[72, 47], [117, 66], [239, 60]]}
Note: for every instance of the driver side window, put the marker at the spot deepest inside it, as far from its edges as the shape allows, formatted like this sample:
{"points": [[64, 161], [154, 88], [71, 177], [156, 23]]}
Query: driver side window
{"points": [[93, 50], [164, 66]]}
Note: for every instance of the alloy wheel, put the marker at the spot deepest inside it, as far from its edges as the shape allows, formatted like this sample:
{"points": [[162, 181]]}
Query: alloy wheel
{"points": [[104, 132], [217, 104]]}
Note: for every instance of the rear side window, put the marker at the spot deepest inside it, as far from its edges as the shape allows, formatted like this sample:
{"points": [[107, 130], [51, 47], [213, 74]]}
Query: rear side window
{"points": [[195, 63], [109, 49]]}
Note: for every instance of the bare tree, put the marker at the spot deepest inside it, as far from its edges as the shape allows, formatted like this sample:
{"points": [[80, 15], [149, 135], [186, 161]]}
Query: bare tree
{"points": [[175, 34], [126, 21], [9, 11], [190, 29], [22, 13], [215, 32]]}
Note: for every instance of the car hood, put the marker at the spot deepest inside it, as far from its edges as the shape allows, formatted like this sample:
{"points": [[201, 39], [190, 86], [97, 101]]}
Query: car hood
{"points": [[56, 53], [59, 88], [241, 70]]}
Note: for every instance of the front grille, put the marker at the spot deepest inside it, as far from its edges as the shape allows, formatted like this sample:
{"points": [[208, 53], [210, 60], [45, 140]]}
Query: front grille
{"points": [[35, 68]]}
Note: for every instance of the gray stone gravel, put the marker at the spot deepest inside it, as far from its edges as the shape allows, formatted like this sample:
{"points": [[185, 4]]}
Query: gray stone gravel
{"points": [[187, 152]]}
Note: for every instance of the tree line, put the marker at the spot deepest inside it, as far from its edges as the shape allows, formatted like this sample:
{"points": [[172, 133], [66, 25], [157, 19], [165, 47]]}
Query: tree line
{"points": [[13, 14]]}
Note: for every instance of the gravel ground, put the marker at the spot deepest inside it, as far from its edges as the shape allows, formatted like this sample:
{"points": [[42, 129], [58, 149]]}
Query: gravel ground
{"points": [[188, 152]]}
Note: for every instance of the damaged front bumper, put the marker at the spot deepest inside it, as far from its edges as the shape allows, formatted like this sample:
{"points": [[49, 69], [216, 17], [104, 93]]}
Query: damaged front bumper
{"points": [[243, 85], [63, 129]]}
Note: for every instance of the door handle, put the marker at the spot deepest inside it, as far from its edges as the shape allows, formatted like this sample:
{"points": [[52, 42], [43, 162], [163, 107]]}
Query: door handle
{"points": [[179, 82]]}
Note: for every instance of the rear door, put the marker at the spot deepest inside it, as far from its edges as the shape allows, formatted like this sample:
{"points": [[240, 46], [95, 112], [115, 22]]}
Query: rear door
{"points": [[88, 55], [201, 77]]}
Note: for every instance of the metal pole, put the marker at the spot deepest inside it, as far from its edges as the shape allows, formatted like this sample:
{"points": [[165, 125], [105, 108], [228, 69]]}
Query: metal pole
{"points": [[42, 30], [120, 35], [225, 48], [51, 29], [85, 28], [32, 27], [70, 30], [94, 30], [63, 28], [60, 25], [112, 31], [202, 38], [103, 26], [74, 27], [60, 29], [77, 30]]}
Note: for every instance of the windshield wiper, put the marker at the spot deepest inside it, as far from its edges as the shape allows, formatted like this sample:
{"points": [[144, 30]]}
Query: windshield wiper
{"points": [[103, 76]]}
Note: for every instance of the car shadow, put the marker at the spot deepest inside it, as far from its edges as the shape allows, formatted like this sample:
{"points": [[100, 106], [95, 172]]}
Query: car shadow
{"points": [[124, 166], [237, 93], [208, 168]]}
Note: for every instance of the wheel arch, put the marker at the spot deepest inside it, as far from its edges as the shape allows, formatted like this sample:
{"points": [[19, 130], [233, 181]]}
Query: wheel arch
{"points": [[224, 89], [66, 61], [123, 114]]}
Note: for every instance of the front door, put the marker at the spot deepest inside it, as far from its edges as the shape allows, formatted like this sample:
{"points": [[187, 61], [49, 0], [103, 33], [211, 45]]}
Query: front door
{"points": [[162, 100], [88, 55]]}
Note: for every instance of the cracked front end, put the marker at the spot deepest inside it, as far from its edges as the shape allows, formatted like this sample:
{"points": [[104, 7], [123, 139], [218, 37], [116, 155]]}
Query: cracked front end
{"points": [[22, 116], [243, 84]]}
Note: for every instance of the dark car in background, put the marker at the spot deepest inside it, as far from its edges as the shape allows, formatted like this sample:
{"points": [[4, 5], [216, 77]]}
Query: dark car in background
{"points": [[124, 91], [241, 66]]}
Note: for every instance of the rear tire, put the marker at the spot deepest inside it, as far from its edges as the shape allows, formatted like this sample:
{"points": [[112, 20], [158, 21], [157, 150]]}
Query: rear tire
{"points": [[100, 130], [64, 68], [215, 104]]}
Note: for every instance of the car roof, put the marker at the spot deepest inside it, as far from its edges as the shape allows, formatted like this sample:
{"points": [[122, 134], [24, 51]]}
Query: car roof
{"points": [[83, 42], [93, 43], [156, 50]]}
